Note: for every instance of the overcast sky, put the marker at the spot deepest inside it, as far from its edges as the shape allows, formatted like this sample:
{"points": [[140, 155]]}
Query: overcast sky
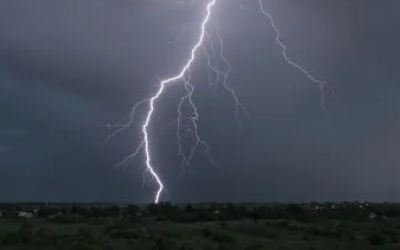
{"points": [[68, 68]]}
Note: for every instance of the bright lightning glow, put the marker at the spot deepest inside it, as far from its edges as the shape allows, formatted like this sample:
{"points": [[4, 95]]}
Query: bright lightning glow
{"points": [[323, 86], [219, 70], [153, 99]]}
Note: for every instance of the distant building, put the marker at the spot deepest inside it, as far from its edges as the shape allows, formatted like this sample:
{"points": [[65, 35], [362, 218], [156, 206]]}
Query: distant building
{"points": [[26, 215]]}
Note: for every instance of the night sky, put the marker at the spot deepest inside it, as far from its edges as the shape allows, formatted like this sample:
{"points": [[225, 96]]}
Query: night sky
{"points": [[68, 68]]}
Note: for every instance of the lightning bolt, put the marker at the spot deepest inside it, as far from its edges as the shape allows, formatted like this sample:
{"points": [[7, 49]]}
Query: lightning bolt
{"points": [[219, 70], [162, 85], [188, 115], [222, 69], [191, 129], [323, 85], [227, 86], [219, 66]]}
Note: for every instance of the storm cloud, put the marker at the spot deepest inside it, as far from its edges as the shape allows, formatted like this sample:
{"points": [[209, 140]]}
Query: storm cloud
{"points": [[68, 68]]}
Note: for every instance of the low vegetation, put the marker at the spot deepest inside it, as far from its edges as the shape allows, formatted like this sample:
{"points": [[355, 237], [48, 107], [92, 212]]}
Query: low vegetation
{"points": [[308, 226]]}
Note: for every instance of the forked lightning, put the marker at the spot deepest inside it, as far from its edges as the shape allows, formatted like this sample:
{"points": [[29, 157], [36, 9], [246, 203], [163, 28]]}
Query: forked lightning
{"points": [[187, 127]]}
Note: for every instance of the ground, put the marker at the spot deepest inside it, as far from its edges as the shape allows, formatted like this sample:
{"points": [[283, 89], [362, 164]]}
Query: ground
{"points": [[156, 233]]}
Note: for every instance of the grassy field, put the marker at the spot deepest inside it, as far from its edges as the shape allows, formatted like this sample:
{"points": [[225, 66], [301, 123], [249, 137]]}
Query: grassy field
{"points": [[216, 226], [152, 233]]}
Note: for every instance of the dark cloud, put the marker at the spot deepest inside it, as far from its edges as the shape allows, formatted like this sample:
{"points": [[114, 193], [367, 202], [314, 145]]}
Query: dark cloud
{"points": [[68, 68]]}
